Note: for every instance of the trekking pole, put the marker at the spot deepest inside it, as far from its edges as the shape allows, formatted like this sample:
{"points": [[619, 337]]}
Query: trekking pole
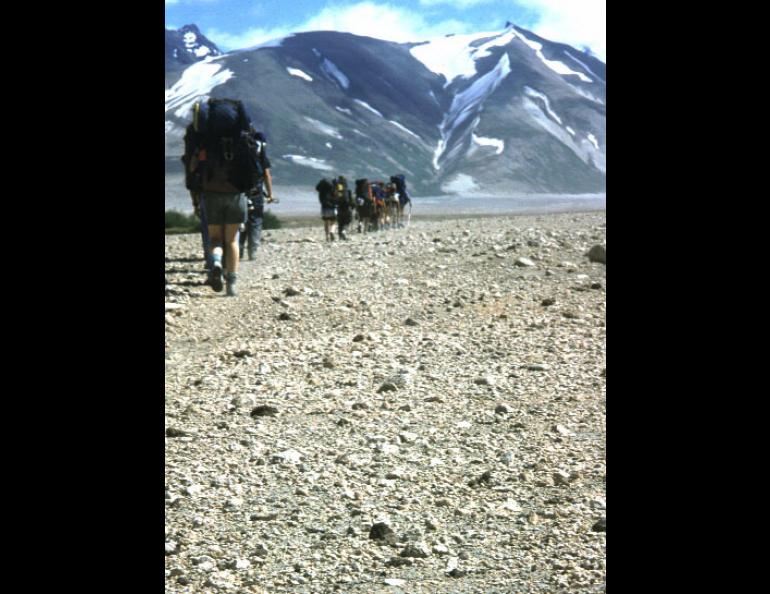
{"points": [[409, 218]]}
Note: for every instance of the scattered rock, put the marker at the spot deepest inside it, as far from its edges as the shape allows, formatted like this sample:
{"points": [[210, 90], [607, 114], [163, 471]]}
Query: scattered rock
{"points": [[524, 262], [485, 380], [597, 253], [264, 410], [382, 531], [503, 409], [418, 550], [286, 457], [600, 525]]}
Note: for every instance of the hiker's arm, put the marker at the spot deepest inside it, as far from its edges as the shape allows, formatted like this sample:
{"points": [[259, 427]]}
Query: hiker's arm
{"points": [[268, 185]]}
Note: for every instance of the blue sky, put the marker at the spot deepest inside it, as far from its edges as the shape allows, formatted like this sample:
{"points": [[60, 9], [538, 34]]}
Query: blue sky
{"points": [[235, 24]]}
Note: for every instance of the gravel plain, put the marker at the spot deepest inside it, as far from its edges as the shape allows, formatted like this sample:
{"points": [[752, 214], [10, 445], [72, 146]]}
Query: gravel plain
{"points": [[414, 410]]}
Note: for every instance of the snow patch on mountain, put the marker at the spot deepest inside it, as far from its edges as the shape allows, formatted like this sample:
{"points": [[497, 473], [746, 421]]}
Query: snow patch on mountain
{"points": [[196, 81], [592, 140], [469, 102], [591, 72], [454, 55], [365, 105], [297, 72], [405, 129], [498, 144], [319, 164], [332, 71], [460, 184], [555, 65], [534, 93], [343, 110], [586, 94], [324, 128], [570, 130], [586, 152]]}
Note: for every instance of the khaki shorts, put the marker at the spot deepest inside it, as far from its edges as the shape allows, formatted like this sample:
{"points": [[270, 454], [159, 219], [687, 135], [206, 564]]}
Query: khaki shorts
{"points": [[224, 209]]}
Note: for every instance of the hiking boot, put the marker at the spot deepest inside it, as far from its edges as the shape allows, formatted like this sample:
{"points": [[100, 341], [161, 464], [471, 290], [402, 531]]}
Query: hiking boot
{"points": [[342, 235], [230, 278], [216, 276], [252, 254]]}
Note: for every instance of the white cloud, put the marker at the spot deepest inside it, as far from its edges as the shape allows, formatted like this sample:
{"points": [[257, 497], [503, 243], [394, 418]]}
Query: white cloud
{"points": [[575, 22], [457, 3], [381, 21]]}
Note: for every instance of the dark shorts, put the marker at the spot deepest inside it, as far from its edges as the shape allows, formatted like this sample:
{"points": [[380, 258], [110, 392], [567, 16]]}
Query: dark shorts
{"points": [[225, 209], [329, 213]]}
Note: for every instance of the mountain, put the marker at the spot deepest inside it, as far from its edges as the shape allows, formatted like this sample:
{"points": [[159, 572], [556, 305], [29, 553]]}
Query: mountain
{"points": [[186, 46], [497, 112]]}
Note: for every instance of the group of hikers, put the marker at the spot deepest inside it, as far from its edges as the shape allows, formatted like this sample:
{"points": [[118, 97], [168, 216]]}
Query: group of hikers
{"points": [[227, 173], [378, 205]]}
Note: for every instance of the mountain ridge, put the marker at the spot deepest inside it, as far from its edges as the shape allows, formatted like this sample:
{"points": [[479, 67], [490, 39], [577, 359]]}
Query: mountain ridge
{"points": [[496, 112]]}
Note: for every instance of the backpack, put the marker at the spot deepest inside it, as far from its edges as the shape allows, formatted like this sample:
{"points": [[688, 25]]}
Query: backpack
{"points": [[228, 155], [193, 180], [363, 191], [400, 182], [325, 193]]}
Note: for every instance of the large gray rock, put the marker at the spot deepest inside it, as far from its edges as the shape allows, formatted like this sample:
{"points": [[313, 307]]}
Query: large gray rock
{"points": [[598, 253]]}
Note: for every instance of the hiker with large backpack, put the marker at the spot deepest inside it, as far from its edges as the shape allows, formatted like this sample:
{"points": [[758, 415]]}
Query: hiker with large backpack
{"points": [[224, 164], [378, 192], [364, 201], [403, 196], [344, 201], [255, 200], [325, 191]]}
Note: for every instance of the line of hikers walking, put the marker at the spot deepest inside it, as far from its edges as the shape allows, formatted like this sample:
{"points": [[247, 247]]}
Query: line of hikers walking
{"points": [[227, 173], [378, 205]]}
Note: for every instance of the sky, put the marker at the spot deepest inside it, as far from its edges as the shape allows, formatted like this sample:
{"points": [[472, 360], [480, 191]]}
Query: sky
{"points": [[237, 24]]}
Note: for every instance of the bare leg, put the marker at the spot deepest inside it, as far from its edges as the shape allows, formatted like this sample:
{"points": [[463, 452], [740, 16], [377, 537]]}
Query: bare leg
{"points": [[231, 239]]}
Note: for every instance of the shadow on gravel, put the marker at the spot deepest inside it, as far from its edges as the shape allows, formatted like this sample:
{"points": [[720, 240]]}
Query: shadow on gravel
{"points": [[185, 271], [188, 283], [184, 259]]}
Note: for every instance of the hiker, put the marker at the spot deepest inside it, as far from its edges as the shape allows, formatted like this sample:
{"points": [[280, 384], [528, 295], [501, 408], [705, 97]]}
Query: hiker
{"points": [[378, 192], [344, 201], [192, 183], [255, 201], [391, 205], [403, 196], [325, 191], [365, 212], [226, 164]]}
